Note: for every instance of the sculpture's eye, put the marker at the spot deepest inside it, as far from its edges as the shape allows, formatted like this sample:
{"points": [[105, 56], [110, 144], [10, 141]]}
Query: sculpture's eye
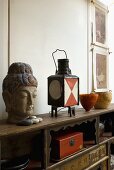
{"points": [[22, 94], [34, 94]]}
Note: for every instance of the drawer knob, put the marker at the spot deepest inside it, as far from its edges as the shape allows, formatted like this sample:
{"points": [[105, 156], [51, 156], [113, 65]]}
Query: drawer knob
{"points": [[72, 142]]}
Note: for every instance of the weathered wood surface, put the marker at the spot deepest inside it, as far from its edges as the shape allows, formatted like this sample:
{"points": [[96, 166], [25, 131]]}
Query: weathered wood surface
{"points": [[48, 121]]}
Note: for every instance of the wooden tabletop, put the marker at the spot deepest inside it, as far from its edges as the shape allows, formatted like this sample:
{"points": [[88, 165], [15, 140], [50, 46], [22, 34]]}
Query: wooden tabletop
{"points": [[48, 121]]}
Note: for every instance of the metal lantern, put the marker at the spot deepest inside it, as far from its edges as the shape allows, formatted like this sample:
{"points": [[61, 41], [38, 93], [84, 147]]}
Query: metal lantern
{"points": [[63, 87]]}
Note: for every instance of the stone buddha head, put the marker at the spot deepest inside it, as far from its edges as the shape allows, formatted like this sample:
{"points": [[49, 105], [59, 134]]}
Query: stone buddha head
{"points": [[19, 92]]}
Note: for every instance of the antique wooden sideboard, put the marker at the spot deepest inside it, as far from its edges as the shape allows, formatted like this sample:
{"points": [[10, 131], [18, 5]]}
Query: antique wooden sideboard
{"points": [[36, 140]]}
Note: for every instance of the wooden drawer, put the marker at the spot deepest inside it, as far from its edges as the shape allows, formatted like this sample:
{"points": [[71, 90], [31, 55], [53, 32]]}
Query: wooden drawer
{"points": [[104, 165], [86, 160], [77, 164], [97, 154]]}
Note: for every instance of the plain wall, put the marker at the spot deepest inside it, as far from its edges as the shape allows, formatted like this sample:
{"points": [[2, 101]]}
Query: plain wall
{"points": [[3, 49], [39, 27]]}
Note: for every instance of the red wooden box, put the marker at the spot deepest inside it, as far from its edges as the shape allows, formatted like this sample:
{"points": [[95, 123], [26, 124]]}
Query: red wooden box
{"points": [[67, 144]]}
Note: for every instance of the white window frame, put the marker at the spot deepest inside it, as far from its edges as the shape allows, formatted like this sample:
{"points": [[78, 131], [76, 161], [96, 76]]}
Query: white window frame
{"points": [[102, 51], [98, 47]]}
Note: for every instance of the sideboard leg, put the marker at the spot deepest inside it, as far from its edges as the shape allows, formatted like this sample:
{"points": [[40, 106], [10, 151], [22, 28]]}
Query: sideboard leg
{"points": [[46, 151]]}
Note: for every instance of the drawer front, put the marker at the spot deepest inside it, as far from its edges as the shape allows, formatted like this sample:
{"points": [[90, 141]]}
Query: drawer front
{"points": [[86, 160], [77, 164], [97, 154], [94, 156], [104, 165], [102, 151]]}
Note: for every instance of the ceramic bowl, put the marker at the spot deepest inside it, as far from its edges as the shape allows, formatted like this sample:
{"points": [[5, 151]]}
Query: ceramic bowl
{"points": [[88, 100], [104, 100]]}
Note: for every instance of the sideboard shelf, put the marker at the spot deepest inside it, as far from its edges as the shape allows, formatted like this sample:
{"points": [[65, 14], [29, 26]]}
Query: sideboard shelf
{"points": [[36, 140]]}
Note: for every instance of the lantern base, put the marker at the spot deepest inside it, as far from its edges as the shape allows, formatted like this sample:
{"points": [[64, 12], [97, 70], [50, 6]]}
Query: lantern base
{"points": [[71, 111]]}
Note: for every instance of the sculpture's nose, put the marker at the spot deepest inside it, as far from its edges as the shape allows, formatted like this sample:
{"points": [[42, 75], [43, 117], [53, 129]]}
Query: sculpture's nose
{"points": [[30, 101]]}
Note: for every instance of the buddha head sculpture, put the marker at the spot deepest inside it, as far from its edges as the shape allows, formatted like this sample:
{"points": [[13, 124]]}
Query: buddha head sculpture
{"points": [[19, 92]]}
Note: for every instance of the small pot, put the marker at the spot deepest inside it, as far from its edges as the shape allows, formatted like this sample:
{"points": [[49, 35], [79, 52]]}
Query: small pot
{"points": [[88, 100], [104, 99]]}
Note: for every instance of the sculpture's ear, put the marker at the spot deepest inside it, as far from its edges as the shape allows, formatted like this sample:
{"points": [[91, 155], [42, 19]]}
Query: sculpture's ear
{"points": [[7, 99]]}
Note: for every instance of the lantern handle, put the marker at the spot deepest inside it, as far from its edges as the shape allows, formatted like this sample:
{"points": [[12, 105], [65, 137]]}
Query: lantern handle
{"points": [[54, 58]]}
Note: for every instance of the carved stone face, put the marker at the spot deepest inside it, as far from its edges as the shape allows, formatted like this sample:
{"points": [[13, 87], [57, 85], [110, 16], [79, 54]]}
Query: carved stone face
{"points": [[19, 92], [20, 104], [23, 100]]}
